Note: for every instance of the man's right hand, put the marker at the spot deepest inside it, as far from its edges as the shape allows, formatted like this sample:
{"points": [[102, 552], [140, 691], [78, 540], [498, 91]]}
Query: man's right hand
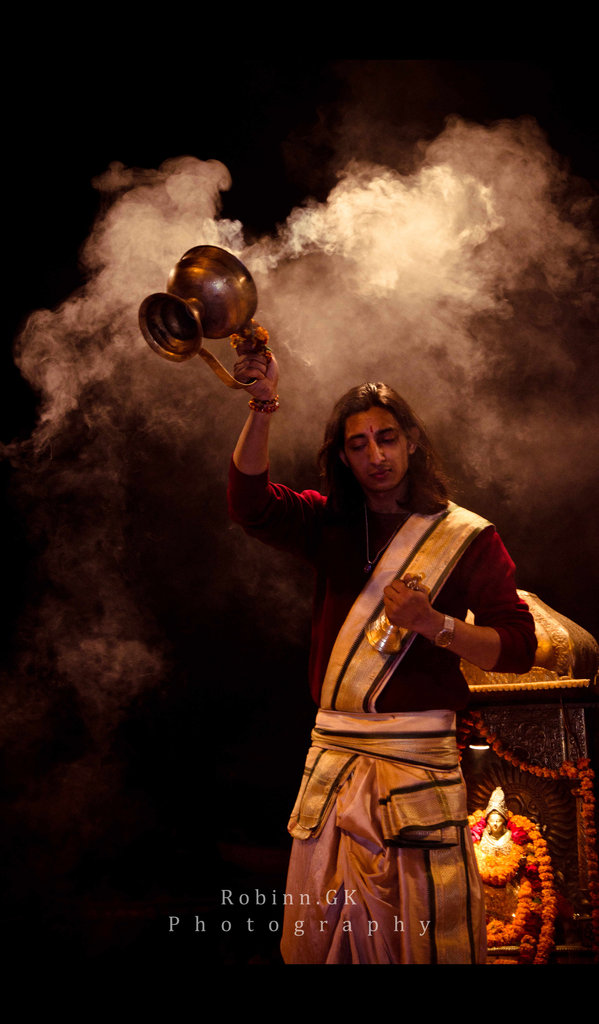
{"points": [[259, 367]]}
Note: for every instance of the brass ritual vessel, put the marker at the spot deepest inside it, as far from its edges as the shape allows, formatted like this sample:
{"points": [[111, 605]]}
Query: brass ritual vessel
{"points": [[210, 294], [384, 636]]}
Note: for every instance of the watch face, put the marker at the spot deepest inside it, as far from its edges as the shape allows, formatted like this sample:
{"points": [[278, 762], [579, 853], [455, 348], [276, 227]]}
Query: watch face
{"points": [[444, 637]]}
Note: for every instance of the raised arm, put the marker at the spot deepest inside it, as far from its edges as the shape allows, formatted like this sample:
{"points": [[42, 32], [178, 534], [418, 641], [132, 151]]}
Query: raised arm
{"points": [[251, 452]]}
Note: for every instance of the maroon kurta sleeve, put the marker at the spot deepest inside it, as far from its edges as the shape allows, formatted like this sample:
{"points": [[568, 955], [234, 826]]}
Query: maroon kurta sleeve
{"points": [[274, 513], [487, 575]]}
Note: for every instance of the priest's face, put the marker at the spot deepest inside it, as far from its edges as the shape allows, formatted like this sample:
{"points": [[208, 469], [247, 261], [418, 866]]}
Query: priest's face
{"points": [[377, 452]]}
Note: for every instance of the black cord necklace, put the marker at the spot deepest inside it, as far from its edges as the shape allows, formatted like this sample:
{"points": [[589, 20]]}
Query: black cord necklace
{"points": [[371, 562]]}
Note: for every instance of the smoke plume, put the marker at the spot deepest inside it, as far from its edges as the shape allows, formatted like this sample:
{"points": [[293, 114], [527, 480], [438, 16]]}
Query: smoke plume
{"points": [[469, 284]]}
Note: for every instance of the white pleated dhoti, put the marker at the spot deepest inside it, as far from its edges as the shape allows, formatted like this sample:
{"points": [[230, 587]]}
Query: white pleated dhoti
{"points": [[384, 871]]}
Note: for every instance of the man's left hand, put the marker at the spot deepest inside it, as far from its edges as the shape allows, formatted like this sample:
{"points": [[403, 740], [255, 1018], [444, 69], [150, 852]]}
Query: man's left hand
{"points": [[407, 605]]}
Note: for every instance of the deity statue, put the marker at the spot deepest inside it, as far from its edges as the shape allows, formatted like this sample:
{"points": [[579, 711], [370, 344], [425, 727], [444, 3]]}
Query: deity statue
{"points": [[515, 868], [496, 839]]}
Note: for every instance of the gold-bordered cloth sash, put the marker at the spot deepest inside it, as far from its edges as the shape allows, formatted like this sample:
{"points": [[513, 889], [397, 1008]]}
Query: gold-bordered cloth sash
{"points": [[421, 798], [431, 545]]}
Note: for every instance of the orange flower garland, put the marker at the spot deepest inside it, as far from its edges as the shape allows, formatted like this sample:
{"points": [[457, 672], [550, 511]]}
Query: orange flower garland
{"points": [[256, 336], [501, 934], [581, 772], [498, 871], [548, 894]]}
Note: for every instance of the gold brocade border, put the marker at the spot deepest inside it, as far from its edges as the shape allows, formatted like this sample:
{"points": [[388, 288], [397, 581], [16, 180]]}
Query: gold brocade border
{"points": [[430, 545], [559, 683]]}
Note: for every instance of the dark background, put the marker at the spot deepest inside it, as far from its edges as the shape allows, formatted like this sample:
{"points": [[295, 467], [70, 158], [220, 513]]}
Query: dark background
{"points": [[187, 811]]}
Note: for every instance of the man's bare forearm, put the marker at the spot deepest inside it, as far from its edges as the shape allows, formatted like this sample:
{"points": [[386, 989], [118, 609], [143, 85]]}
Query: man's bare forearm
{"points": [[251, 451], [480, 645], [411, 609]]}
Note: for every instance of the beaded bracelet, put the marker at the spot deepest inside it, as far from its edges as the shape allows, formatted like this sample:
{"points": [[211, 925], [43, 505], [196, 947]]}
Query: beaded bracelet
{"points": [[269, 405]]}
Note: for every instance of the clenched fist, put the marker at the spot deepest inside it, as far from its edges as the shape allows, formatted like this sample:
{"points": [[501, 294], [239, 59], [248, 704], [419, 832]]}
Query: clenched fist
{"points": [[407, 605], [261, 367]]}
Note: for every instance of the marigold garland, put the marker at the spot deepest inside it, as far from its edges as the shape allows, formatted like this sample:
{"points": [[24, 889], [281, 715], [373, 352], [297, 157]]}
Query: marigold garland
{"points": [[580, 772], [498, 871], [254, 334]]}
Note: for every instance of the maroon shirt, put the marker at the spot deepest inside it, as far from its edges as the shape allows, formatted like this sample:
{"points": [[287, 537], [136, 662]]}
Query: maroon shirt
{"points": [[428, 677]]}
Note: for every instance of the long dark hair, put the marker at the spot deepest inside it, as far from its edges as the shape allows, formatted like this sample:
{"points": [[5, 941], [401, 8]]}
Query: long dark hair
{"points": [[428, 490]]}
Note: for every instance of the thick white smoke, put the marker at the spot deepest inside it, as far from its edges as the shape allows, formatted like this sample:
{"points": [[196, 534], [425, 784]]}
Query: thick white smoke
{"points": [[459, 267], [469, 285]]}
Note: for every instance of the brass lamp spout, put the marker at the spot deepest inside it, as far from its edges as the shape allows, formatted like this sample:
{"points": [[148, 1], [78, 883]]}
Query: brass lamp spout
{"points": [[210, 294]]}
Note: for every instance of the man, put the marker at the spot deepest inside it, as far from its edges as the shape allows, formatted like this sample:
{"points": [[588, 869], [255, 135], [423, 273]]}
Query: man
{"points": [[382, 868]]}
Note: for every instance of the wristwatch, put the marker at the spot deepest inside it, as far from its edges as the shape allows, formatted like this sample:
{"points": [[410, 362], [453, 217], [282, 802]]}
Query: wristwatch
{"points": [[444, 637]]}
